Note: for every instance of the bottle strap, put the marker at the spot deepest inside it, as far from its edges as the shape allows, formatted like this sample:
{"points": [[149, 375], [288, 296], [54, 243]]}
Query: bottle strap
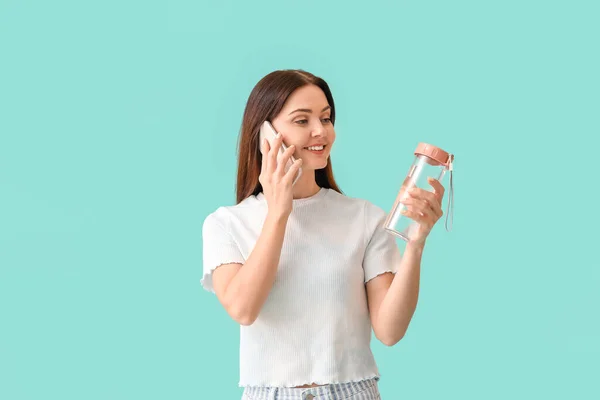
{"points": [[450, 207]]}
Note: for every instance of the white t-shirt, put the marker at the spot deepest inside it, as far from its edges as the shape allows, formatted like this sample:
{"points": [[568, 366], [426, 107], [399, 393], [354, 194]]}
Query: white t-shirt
{"points": [[314, 325]]}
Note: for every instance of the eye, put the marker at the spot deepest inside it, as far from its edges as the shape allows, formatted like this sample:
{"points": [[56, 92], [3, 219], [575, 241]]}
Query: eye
{"points": [[327, 120], [301, 121]]}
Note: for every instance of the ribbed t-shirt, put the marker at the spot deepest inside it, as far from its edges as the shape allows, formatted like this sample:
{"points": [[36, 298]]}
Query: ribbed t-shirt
{"points": [[314, 325]]}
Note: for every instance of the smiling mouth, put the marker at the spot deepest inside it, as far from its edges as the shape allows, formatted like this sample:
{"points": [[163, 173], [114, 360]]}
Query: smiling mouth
{"points": [[316, 148]]}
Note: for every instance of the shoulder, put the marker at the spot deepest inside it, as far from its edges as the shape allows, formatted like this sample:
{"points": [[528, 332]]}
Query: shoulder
{"points": [[355, 202], [216, 221], [224, 215], [217, 217], [344, 201], [356, 206]]}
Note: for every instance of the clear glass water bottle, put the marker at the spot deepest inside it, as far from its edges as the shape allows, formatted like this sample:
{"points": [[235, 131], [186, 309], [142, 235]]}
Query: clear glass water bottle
{"points": [[430, 161]]}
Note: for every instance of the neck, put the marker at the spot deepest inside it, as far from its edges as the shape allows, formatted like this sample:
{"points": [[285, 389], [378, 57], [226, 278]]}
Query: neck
{"points": [[306, 185]]}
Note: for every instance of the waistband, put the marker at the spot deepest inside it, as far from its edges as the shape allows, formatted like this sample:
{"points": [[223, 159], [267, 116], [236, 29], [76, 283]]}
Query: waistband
{"points": [[335, 391]]}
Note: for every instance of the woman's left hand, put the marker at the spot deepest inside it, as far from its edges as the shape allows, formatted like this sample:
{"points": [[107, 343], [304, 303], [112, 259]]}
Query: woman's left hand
{"points": [[424, 207]]}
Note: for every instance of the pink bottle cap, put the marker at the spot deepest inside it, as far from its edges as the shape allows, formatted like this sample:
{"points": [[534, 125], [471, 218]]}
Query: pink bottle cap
{"points": [[435, 153]]}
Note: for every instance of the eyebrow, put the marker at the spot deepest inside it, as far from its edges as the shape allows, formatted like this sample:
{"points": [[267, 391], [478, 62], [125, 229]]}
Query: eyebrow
{"points": [[307, 110]]}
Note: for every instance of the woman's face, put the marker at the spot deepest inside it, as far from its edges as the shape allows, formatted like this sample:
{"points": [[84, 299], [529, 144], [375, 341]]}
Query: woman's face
{"points": [[305, 123]]}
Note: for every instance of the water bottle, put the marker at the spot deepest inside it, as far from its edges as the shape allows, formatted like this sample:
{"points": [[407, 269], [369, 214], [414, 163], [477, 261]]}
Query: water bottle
{"points": [[430, 161]]}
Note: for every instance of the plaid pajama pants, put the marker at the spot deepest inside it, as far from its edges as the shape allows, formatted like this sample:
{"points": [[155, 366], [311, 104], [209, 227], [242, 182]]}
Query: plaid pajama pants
{"points": [[363, 390]]}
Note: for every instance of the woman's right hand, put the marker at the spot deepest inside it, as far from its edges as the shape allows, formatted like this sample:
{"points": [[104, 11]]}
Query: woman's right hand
{"points": [[276, 183]]}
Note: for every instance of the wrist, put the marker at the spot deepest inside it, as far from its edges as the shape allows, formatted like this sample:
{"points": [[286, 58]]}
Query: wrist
{"points": [[416, 245]]}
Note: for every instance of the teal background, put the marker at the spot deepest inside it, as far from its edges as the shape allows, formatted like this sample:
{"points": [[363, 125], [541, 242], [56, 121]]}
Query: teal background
{"points": [[118, 129]]}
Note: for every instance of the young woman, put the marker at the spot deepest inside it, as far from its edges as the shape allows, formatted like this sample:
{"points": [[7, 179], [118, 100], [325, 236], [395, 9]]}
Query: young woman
{"points": [[306, 271]]}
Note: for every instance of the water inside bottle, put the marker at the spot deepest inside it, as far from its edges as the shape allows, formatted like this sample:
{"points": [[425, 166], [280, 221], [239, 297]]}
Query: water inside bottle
{"points": [[423, 168]]}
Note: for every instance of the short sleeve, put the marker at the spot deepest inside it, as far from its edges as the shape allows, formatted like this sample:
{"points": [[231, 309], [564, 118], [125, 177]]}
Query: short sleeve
{"points": [[218, 247], [382, 253]]}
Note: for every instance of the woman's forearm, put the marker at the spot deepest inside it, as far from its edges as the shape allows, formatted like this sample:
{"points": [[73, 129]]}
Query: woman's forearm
{"points": [[399, 304]]}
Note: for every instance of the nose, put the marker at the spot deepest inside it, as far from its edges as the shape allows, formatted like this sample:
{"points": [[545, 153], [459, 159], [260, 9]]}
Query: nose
{"points": [[319, 130]]}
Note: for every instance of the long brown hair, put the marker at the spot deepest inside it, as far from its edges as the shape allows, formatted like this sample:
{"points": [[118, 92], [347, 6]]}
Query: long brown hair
{"points": [[265, 102]]}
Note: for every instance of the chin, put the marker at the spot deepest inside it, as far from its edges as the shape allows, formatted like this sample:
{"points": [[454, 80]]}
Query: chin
{"points": [[315, 163], [314, 166]]}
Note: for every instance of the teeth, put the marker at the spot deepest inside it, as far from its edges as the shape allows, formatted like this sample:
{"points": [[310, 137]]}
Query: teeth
{"points": [[315, 148]]}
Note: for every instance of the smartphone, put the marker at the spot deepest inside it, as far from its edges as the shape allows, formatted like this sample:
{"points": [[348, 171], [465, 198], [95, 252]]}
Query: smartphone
{"points": [[268, 132]]}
